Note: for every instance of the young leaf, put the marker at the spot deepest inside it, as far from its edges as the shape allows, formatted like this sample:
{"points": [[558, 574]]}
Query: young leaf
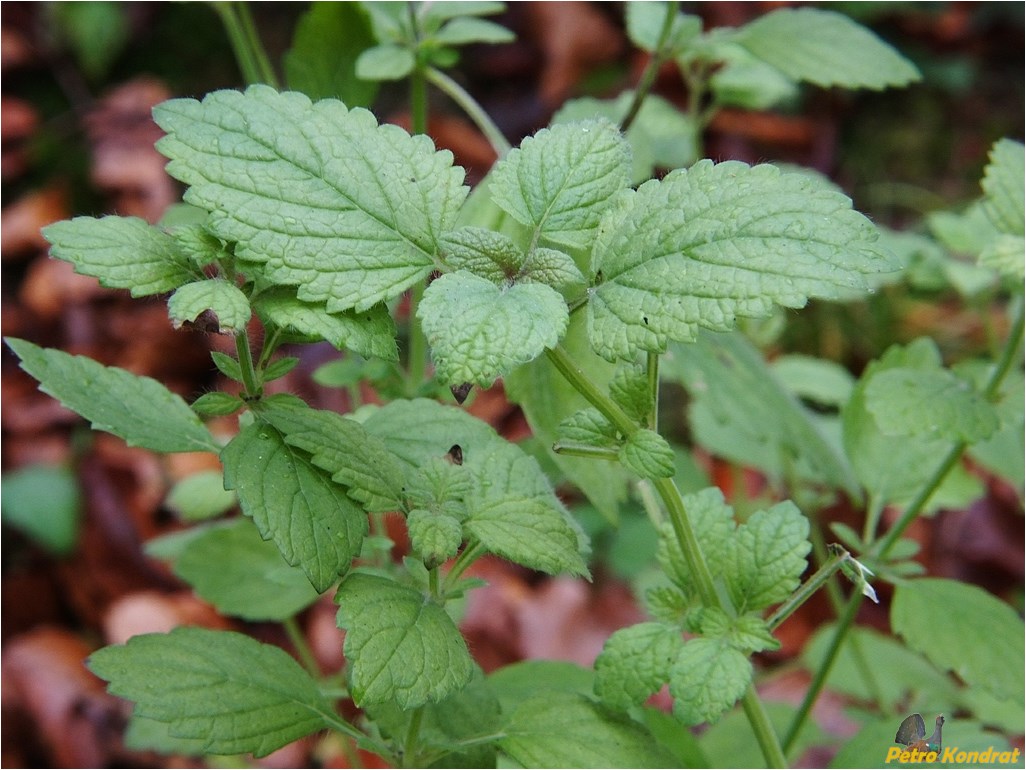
{"points": [[224, 299], [590, 427], [484, 253], [826, 48], [197, 245], [401, 646], [909, 402], [434, 535], [559, 729], [981, 640], [123, 252], [200, 496], [322, 60], [309, 517], [385, 62], [560, 180], [768, 557], [343, 448], [707, 678], [635, 662], [242, 575], [1003, 188], [137, 409], [227, 690], [713, 522], [279, 368], [465, 29], [552, 267], [227, 365], [707, 244], [648, 454], [645, 24], [479, 331], [322, 196], [371, 333], [631, 390]]}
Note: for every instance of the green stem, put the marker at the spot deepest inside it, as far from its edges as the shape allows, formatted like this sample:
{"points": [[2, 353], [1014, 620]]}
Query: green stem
{"points": [[820, 677], [256, 46], [417, 362], [688, 541], [412, 734], [806, 590], [249, 375], [239, 37], [466, 557], [306, 655], [583, 384], [652, 369], [765, 735], [648, 76], [469, 105], [573, 449]]}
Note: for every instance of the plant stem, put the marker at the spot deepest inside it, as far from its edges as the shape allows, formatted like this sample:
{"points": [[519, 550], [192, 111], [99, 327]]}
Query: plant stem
{"points": [[249, 54], [469, 105], [417, 361], [573, 449], [820, 677], [302, 648], [260, 58], [806, 590], [652, 370], [685, 537], [467, 557], [648, 76], [410, 744], [249, 375]]}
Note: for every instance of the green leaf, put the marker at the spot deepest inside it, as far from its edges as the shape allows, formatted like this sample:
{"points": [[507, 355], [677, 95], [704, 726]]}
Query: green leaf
{"points": [[243, 575], [343, 448], [200, 496], [143, 734], [485, 253], [122, 252], [716, 241], [227, 365], [648, 454], [557, 729], [631, 390], [936, 402], [224, 299], [197, 245], [731, 742], [768, 557], [981, 638], [511, 507], [518, 682], [707, 678], [371, 332], [43, 502], [547, 398], [401, 646], [97, 32], [1005, 256], [227, 690], [309, 517], [645, 23], [713, 522], [322, 60], [661, 136], [385, 62], [1003, 187], [553, 268], [560, 180], [635, 662], [321, 196], [590, 427], [893, 468], [434, 535], [464, 29], [826, 48], [137, 409], [279, 368], [746, 81], [479, 331]]}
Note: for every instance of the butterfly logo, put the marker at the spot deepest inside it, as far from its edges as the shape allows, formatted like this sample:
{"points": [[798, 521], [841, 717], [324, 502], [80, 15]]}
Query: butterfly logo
{"points": [[912, 733]]}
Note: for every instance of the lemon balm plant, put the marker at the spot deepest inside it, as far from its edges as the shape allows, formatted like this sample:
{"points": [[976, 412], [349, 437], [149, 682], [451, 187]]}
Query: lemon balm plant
{"points": [[309, 220]]}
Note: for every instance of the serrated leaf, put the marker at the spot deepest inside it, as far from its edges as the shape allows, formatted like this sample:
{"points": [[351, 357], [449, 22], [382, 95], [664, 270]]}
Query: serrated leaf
{"points": [[560, 180], [981, 639], [648, 454], [909, 402], [228, 691], [200, 496], [484, 253], [44, 502], [465, 29], [716, 241], [343, 448], [1005, 256], [713, 523], [511, 508], [309, 517], [590, 427], [635, 662], [708, 677], [434, 535], [387, 61], [1004, 187], [371, 332], [197, 245], [631, 390], [441, 486], [321, 196], [826, 48], [552, 267], [479, 331], [747, 633], [322, 60], [242, 575], [558, 729], [893, 468], [401, 646], [224, 299], [768, 557], [137, 409], [122, 252]]}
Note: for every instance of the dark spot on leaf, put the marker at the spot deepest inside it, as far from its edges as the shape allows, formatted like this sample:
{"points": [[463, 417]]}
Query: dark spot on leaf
{"points": [[206, 322], [460, 392], [645, 319], [456, 454]]}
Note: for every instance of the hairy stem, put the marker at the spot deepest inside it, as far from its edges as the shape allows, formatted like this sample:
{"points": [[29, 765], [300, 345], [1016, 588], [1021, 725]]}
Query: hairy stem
{"points": [[648, 76], [807, 589], [469, 105], [412, 734], [245, 354]]}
